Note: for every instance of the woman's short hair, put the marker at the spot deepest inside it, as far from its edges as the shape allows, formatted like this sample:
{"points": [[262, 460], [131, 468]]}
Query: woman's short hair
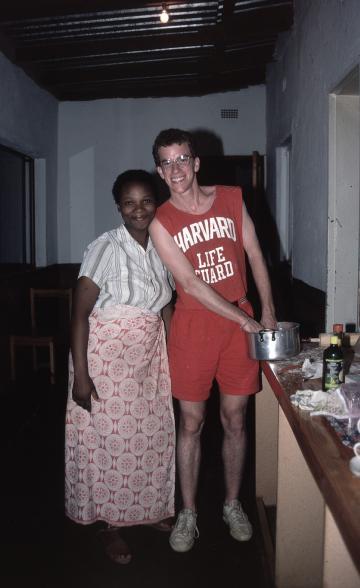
{"points": [[132, 176], [170, 137]]}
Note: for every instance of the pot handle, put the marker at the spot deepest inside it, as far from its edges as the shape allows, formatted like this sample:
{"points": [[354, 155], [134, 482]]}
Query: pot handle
{"points": [[261, 333]]}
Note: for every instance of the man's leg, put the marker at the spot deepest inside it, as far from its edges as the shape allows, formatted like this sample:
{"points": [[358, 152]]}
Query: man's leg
{"points": [[192, 416], [188, 456], [233, 417]]}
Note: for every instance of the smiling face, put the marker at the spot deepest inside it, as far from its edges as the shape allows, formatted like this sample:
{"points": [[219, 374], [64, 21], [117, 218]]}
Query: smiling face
{"points": [[137, 206], [178, 172]]}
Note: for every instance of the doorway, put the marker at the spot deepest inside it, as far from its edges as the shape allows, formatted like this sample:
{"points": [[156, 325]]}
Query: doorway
{"points": [[246, 171], [284, 204], [343, 210], [17, 220]]}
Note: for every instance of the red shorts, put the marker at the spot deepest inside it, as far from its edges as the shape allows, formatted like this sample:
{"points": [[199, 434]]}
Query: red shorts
{"points": [[204, 346]]}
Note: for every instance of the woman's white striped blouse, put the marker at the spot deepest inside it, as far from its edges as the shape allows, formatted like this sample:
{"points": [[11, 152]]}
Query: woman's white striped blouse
{"points": [[126, 273]]}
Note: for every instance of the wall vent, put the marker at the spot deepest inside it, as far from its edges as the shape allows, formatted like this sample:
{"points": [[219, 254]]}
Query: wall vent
{"points": [[229, 113]]}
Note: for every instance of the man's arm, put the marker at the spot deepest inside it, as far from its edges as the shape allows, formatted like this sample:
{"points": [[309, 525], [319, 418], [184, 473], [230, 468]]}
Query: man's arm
{"points": [[259, 271], [184, 273]]}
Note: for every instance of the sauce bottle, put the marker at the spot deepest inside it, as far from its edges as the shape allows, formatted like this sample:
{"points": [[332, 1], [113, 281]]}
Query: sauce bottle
{"points": [[338, 330], [333, 366]]}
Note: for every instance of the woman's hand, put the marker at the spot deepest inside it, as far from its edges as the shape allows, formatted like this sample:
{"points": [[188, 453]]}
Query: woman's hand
{"points": [[82, 392]]}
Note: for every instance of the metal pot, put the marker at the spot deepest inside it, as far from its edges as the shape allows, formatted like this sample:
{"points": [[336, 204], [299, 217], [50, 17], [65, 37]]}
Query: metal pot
{"points": [[279, 343]]}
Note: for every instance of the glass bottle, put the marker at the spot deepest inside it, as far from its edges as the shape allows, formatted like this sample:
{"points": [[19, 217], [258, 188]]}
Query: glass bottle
{"points": [[333, 365], [338, 330]]}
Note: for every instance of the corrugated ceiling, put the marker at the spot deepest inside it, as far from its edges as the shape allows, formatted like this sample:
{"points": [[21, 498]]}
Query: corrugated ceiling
{"points": [[87, 49]]}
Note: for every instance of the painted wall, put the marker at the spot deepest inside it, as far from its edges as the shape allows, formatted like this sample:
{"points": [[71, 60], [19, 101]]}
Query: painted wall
{"points": [[322, 48], [28, 124], [100, 139]]}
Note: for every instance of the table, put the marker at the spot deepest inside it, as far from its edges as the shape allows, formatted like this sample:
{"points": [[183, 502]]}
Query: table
{"points": [[302, 469]]}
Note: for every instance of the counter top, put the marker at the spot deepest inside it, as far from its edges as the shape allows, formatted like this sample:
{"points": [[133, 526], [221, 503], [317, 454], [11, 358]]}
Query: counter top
{"points": [[327, 457]]}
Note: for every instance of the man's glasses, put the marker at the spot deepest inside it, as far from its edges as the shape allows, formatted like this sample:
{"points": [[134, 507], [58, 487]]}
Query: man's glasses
{"points": [[181, 160]]}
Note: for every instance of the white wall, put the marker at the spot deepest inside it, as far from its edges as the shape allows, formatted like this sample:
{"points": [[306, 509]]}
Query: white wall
{"points": [[28, 124], [322, 48], [100, 139]]}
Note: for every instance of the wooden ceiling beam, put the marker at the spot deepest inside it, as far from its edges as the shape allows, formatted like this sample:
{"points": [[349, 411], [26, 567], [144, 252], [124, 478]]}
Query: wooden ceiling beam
{"points": [[260, 51], [195, 65], [69, 50], [48, 52], [19, 10], [143, 89], [278, 16]]}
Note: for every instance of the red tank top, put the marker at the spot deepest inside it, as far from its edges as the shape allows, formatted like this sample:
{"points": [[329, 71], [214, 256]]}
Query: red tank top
{"points": [[212, 242]]}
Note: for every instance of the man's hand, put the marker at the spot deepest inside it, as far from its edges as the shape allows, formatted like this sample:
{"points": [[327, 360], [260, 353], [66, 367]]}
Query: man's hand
{"points": [[83, 391], [268, 321], [250, 325]]}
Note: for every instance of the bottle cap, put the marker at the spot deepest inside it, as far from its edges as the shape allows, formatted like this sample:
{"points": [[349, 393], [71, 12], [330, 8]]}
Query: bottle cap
{"points": [[338, 328], [334, 340]]}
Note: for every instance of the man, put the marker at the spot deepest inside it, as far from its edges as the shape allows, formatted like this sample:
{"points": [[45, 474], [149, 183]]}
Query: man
{"points": [[202, 235]]}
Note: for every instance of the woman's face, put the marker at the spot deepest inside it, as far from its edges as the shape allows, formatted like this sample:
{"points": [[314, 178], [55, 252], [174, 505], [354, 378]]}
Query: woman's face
{"points": [[137, 207]]}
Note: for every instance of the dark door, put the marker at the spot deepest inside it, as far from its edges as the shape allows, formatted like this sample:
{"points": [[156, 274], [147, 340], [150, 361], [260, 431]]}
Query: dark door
{"points": [[16, 209], [246, 171]]}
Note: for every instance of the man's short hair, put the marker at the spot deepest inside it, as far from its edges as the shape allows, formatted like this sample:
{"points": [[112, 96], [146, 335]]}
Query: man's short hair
{"points": [[170, 137], [132, 176]]}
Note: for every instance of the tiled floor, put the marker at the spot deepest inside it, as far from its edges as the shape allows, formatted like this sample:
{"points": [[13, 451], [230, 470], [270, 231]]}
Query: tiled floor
{"points": [[40, 548]]}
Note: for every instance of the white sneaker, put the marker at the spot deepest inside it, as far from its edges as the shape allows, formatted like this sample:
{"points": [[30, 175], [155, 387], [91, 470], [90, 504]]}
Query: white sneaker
{"points": [[185, 532], [236, 519]]}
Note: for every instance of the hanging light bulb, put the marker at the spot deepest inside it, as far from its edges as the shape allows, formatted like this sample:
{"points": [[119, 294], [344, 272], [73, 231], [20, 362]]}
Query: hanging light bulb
{"points": [[164, 16]]}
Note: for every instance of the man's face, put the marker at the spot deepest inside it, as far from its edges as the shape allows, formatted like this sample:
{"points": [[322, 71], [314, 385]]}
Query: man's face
{"points": [[177, 167]]}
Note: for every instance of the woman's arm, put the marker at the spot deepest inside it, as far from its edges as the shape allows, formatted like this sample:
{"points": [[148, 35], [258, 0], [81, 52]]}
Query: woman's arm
{"points": [[259, 271], [86, 294], [184, 273]]}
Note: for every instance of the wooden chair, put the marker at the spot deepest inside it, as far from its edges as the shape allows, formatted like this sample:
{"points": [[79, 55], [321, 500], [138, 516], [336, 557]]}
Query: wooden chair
{"points": [[35, 339]]}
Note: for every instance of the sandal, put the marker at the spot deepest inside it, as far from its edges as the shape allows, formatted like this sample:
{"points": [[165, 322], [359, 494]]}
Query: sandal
{"points": [[114, 545], [166, 525]]}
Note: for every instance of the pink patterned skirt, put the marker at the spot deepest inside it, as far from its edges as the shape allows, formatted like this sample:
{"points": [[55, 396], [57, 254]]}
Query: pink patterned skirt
{"points": [[120, 459]]}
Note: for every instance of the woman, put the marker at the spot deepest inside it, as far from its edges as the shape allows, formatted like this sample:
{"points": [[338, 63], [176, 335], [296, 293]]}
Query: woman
{"points": [[120, 435]]}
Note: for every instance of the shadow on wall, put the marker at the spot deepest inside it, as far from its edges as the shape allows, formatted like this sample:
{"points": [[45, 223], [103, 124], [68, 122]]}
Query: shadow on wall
{"points": [[208, 143], [294, 299]]}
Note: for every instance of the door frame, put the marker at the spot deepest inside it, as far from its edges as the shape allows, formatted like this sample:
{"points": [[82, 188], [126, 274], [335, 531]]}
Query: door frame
{"points": [[343, 203]]}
